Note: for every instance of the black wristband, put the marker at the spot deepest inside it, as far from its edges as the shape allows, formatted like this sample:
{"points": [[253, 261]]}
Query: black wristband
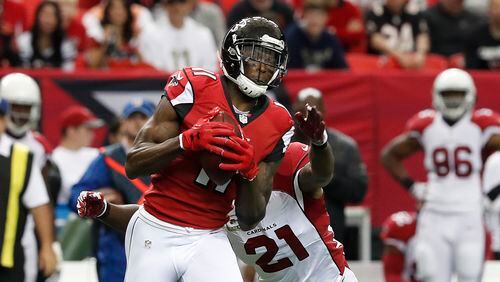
{"points": [[407, 182], [320, 146]]}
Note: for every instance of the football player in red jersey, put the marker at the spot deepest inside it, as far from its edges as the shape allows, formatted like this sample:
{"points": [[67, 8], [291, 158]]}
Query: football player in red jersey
{"points": [[452, 136], [398, 257], [296, 226], [178, 234]]}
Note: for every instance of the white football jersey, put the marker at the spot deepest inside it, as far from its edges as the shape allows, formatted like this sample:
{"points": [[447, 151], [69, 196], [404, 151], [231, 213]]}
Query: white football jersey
{"points": [[453, 157], [294, 241], [491, 182]]}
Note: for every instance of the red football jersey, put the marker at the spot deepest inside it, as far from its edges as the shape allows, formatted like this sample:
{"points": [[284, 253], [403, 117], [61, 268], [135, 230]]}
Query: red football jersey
{"points": [[286, 180], [182, 193], [397, 231]]}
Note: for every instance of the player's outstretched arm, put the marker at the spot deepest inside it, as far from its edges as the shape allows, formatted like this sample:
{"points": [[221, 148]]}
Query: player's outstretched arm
{"points": [[93, 205], [319, 171], [394, 153]]}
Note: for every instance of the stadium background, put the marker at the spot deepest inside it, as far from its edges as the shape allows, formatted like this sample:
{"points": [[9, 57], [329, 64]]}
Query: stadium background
{"points": [[370, 107]]}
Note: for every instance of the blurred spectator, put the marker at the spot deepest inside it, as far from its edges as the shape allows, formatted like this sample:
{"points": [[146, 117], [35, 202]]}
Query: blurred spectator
{"points": [[87, 4], [310, 45], [106, 174], [347, 22], [416, 5], [92, 20], [23, 96], [211, 16], [73, 155], [398, 32], [280, 94], [11, 24], [118, 47], [72, 24], [351, 181], [226, 5], [478, 7], [482, 49], [449, 23], [18, 199], [46, 44], [183, 41], [274, 10], [146, 3], [114, 131]]}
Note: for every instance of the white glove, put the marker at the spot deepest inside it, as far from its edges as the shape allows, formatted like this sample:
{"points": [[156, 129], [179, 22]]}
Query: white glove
{"points": [[419, 190]]}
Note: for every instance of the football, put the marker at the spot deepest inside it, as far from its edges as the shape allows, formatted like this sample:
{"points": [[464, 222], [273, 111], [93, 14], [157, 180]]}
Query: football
{"points": [[210, 162]]}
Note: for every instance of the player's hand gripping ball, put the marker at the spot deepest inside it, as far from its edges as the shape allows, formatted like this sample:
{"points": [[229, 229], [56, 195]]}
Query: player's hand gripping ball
{"points": [[210, 160]]}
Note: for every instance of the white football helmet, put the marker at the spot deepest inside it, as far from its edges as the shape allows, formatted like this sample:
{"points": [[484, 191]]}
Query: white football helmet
{"points": [[454, 80], [21, 89]]}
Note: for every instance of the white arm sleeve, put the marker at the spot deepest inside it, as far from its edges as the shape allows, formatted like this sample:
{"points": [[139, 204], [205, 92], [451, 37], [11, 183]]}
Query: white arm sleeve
{"points": [[491, 175], [36, 191]]}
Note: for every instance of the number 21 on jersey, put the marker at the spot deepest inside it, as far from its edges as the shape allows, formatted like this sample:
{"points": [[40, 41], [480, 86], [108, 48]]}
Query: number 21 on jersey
{"points": [[283, 233]]}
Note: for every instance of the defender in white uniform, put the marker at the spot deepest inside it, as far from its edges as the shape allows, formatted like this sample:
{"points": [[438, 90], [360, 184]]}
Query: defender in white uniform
{"points": [[491, 182], [450, 229], [294, 241]]}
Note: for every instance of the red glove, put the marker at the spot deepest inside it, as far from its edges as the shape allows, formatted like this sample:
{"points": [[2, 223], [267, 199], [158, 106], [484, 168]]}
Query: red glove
{"points": [[241, 157], [206, 135], [312, 125], [91, 204]]}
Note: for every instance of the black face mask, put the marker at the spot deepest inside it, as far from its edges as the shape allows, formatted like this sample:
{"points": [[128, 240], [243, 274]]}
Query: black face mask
{"points": [[260, 63]]}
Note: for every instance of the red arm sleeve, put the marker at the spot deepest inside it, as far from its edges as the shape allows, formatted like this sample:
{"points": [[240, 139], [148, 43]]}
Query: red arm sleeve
{"points": [[393, 261]]}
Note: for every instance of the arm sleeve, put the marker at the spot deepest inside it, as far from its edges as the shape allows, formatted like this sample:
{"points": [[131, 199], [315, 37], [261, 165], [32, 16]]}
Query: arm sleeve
{"points": [[180, 94], [393, 262], [350, 186], [36, 192], [491, 177], [96, 176]]}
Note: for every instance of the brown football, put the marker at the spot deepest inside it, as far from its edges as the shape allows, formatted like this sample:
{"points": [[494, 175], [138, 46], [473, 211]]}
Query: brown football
{"points": [[210, 162]]}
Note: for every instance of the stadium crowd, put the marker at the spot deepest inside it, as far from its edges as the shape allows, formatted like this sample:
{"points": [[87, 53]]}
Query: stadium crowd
{"points": [[321, 34]]}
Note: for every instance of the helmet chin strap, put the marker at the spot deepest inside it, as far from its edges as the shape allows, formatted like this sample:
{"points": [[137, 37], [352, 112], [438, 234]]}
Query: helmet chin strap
{"points": [[246, 85], [250, 88]]}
